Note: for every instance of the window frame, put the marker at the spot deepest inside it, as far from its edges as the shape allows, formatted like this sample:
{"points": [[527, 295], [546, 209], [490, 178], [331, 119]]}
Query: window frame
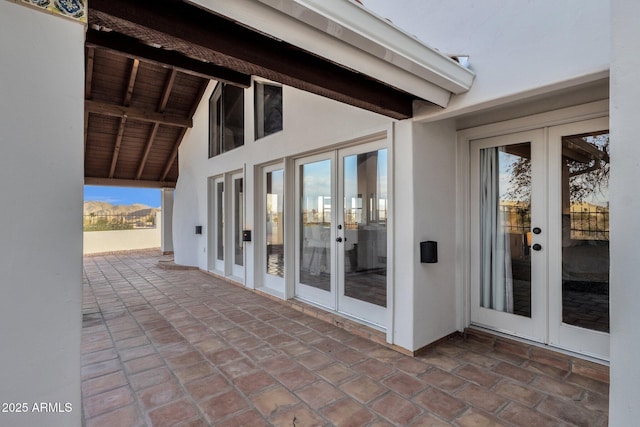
{"points": [[259, 113], [218, 120]]}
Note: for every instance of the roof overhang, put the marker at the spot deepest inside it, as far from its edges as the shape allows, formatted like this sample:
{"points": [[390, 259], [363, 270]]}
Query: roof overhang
{"points": [[346, 33]]}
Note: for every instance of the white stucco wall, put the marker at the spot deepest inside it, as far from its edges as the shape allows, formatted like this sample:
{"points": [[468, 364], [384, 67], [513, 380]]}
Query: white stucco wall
{"points": [[122, 240], [41, 182], [310, 123], [625, 222], [434, 174], [514, 46]]}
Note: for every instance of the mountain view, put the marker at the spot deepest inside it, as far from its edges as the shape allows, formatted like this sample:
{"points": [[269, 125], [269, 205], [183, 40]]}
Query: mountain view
{"points": [[103, 216]]}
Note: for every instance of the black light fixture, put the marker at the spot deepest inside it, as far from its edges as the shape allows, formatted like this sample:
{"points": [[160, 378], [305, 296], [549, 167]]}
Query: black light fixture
{"points": [[429, 252], [246, 235], [198, 229]]}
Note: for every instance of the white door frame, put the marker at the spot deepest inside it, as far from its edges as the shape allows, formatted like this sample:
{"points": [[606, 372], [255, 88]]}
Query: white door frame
{"points": [[273, 284], [535, 327], [214, 263], [237, 271], [593, 110]]}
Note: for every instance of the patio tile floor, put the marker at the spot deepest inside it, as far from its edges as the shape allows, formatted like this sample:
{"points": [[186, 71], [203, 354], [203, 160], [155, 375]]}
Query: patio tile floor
{"points": [[180, 347]]}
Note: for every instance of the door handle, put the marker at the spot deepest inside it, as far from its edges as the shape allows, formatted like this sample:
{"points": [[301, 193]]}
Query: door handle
{"points": [[536, 247], [338, 239]]}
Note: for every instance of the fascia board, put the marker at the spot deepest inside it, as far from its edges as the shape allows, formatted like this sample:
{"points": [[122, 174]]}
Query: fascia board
{"points": [[277, 21]]}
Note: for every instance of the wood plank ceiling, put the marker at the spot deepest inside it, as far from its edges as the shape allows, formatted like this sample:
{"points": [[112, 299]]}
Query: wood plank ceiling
{"points": [[148, 63]]}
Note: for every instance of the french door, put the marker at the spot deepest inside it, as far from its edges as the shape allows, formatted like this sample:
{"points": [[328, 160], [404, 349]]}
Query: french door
{"points": [[540, 235], [341, 231]]}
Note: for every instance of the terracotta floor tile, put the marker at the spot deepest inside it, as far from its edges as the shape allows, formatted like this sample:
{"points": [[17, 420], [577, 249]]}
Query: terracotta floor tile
{"points": [[273, 399], [363, 389], [556, 387], [336, 373], [476, 418], [149, 378], [126, 416], [245, 419], [442, 379], [569, 411], [396, 409], [526, 417], [403, 384], [347, 413], [319, 394], [440, 403], [107, 401], [194, 372], [173, 413], [253, 382], [514, 372], [237, 368], [373, 369], [222, 405], [207, 387], [478, 375], [482, 398], [518, 392], [298, 415], [295, 378], [166, 347]]}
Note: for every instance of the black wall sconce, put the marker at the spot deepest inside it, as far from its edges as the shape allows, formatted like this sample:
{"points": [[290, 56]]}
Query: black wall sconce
{"points": [[246, 235], [198, 229], [429, 252]]}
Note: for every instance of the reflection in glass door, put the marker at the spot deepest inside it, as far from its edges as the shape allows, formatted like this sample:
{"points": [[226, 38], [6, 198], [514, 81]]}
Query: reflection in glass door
{"points": [[216, 224], [508, 287], [341, 231], [314, 230], [579, 267], [238, 224], [362, 234], [274, 228]]}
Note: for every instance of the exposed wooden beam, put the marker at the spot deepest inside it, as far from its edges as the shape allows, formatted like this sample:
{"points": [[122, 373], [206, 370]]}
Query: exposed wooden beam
{"points": [[132, 82], [130, 47], [147, 150], [115, 182], [174, 152], [89, 72], [116, 148], [183, 27], [86, 129], [137, 114], [173, 155], [166, 92]]}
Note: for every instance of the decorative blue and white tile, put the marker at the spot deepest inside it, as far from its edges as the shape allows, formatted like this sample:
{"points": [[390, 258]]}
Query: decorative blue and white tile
{"points": [[74, 9]]}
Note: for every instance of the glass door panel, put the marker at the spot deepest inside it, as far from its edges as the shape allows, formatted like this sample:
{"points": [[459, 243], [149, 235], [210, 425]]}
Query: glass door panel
{"points": [[508, 290], [505, 228], [314, 240], [579, 258], [274, 223], [238, 224], [215, 230], [362, 233]]}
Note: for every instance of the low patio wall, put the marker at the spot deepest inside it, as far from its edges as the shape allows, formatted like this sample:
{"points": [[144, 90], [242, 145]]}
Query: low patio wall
{"points": [[122, 240]]}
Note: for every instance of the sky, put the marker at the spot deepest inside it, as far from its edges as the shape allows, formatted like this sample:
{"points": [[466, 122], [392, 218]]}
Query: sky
{"points": [[123, 195]]}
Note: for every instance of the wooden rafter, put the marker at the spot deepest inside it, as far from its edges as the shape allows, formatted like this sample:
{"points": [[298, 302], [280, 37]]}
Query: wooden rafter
{"points": [[137, 114], [174, 152], [154, 130], [127, 46], [132, 82], [116, 149], [89, 72]]}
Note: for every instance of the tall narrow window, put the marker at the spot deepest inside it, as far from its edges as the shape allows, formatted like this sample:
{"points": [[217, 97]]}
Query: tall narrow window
{"points": [[226, 119], [268, 109]]}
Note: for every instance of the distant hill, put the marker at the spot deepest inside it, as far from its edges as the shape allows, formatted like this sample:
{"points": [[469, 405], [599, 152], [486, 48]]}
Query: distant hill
{"points": [[104, 208]]}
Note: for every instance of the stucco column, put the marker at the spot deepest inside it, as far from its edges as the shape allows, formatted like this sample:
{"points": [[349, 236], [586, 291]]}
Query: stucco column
{"points": [[41, 181], [625, 220], [167, 220]]}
